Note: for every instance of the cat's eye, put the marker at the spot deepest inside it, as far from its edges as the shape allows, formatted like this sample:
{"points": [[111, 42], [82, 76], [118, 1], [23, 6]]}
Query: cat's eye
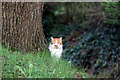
{"points": [[51, 43], [59, 43]]}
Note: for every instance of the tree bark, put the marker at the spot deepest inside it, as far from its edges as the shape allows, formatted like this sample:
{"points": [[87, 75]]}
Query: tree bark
{"points": [[22, 25]]}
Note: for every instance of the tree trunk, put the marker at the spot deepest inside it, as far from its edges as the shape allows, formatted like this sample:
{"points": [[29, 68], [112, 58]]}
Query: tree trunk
{"points": [[22, 26]]}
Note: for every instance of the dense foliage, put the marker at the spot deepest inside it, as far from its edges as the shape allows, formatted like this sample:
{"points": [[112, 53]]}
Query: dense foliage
{"points": [[112, 13], [96, 50], [60, 19]]}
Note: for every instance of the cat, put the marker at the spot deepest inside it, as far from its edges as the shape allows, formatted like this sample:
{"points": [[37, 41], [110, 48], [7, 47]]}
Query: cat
{"points": [[56, 47]]}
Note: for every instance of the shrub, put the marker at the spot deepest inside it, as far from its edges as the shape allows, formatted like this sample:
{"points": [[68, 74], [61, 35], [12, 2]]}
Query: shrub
{"points": [[112, 11], [95, 50]]}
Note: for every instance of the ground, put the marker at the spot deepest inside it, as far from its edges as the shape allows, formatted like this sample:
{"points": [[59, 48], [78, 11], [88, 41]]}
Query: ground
{"points": [[38, 65]]}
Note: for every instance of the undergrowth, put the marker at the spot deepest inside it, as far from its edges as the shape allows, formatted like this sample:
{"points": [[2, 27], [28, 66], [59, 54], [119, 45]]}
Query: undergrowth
{"points": [[40, 65]]}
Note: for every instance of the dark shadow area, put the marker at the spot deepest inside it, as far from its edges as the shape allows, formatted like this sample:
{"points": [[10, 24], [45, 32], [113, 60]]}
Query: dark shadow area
{"points": [[90, 34]]}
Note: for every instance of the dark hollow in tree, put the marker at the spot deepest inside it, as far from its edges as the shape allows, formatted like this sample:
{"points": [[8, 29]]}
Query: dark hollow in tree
{"points": [[22, 26]]}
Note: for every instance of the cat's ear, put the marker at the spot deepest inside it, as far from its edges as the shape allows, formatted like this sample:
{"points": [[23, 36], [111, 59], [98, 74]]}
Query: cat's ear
{"points": [[51, 38], [61, 38]]}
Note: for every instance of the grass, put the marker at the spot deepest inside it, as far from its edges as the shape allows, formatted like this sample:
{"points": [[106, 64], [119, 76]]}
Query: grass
{"points": [[40, 65]]}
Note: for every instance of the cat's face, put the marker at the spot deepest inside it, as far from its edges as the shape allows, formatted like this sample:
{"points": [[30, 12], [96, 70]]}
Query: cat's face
{"points": [[56, 42]]}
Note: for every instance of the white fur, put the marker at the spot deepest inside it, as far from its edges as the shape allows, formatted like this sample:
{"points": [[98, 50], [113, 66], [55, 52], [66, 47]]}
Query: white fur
{"points": [[56, 52]]}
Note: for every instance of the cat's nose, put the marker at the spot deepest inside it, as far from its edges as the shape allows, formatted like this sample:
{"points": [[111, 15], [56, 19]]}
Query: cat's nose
{"points": [[56, 45]]}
